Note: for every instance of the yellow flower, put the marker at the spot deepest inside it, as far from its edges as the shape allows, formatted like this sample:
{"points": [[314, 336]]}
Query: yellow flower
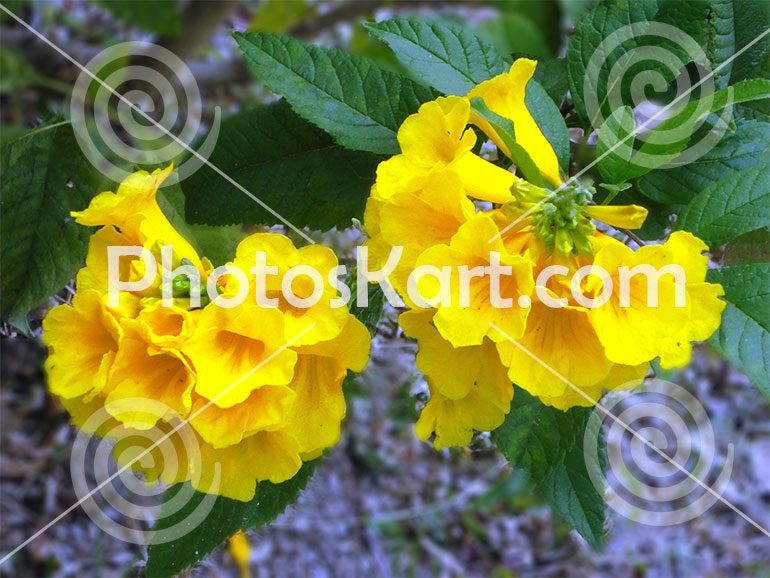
{"points": [[464, 324], [82, 339], [266, 409], [559, 343], [434, 139], [240, 552], [230, 396], [316, 415], [303, 325], [150, 367], [135, 212], [504, 95], [414, 221], [469, 388], [236, 350], [639, 331]]}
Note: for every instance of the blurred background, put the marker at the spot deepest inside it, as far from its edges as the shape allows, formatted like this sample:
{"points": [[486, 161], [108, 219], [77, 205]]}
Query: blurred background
{"points": [[382, 503]]}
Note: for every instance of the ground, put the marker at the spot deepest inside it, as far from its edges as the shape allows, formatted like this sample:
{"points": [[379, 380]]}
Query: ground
{"points": [[383, 503]]}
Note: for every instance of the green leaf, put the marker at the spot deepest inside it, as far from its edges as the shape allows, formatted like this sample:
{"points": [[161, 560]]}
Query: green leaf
{"points": [[279, 15], [737, 204], [16, 72], [292, 166], [369, 315], [225, 518], [748, 146], [446, 55], [9, 132], [751, 19], [660, 148], [514, 33], [744, 335], [538, 437], [590, 63], [615, 145], [571, 493], [721, 42], [43, 176], [506, 130], [350, 97], [590, 30], [551, 74], [162, 18]]}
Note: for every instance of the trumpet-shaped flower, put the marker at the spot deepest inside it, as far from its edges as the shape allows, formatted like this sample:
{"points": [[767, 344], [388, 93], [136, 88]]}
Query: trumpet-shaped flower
{"points": [[304, 323], [467, 258], [414, 221], [134, 211], [504, 95], [220, 397], [236, 350], [469, 388], [434, 139], [662, 308], [83, 341]]}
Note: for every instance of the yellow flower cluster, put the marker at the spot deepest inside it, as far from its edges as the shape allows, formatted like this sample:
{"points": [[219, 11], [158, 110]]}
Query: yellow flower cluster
{"points": [[447, 206], [259, 387]]}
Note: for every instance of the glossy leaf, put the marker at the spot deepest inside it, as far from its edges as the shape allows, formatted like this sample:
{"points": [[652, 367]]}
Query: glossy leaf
{"points": [[43, 176], [287, 163], [224, 519], [744, 335], [360, 104]]}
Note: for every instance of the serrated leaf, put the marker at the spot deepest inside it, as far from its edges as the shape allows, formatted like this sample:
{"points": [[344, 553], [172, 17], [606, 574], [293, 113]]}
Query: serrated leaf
{"points": [[551, 74], [351, 98], [446, 55], [615, 145], [660, 148], [162, 18], [737, 204], [292, 166], [589, 83], [571, 493], [751, 19], [684, 120], [43, 176], [224, 519], [744, 335], [590, 30], [721, 41], [748, 146], [537, 437]]}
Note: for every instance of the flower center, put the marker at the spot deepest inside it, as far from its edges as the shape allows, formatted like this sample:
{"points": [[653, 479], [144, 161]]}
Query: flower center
{"points": [[561, 219]]}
